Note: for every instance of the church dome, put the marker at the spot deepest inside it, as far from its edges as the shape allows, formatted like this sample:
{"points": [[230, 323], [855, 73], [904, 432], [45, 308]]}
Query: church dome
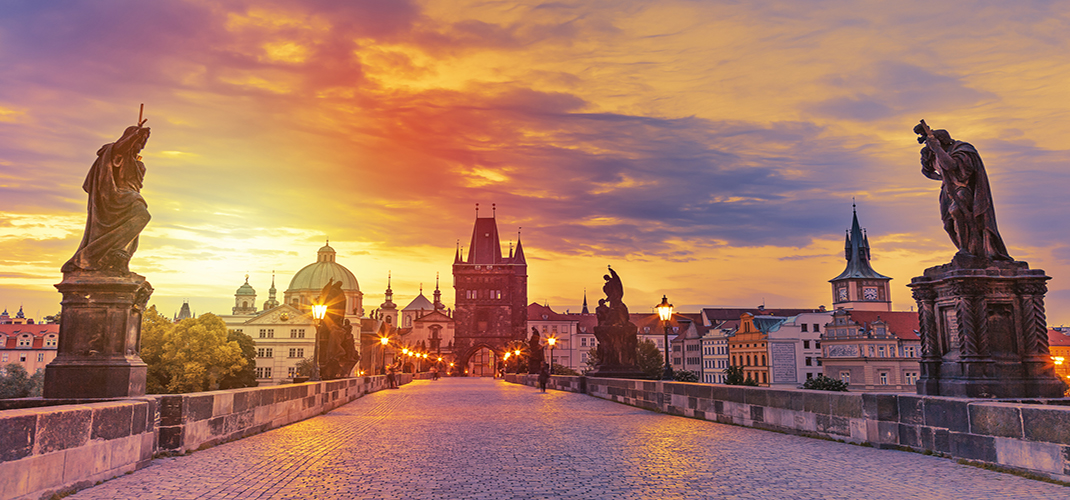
{"points": [[315, 276], [245, 289]]}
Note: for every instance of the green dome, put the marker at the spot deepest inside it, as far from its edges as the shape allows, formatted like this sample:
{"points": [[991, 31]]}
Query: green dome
{"points": [[245, 289], [315, 276]]}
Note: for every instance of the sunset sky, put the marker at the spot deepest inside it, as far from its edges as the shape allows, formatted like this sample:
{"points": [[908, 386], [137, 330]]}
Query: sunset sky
{"points": [[709, 151]]}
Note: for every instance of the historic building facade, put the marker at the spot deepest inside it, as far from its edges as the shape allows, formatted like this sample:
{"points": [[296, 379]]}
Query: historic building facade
{"points": [[285, 332], [32, 345], [491, 298]]}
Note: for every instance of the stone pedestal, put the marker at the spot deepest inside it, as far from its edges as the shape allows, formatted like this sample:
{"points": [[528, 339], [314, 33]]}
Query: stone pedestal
{"points": [[99, 337], [616, 350], [983, 331]]}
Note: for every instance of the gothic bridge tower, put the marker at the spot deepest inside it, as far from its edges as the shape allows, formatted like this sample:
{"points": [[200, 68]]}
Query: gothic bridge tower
{"points": [[492, 295]]}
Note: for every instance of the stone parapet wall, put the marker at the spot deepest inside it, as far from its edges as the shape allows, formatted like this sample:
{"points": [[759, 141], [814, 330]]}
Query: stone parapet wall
{"points": [[51, 448], [47, 449], [1031, 435]]}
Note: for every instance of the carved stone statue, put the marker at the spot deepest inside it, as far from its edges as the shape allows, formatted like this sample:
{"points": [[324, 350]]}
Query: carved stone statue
{"points": [[116, 211], [965, 197], [100, 332], [616, 334], [536, 357]]}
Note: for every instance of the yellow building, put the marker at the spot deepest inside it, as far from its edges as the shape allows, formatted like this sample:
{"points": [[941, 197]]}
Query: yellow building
{"points": [[747, 348]]}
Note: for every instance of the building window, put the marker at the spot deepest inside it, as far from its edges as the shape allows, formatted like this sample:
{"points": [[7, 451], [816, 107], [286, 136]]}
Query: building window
{"points": [[3, 359], [817, 328], [291, 372], [263, 333], [884, 378], [40, 357], [748, 360], [22, 358], [818, 361], [806, 343], [263, 372], [909, 351], [803, 327], [809, 376], [297, 352], [880, 352], [583, 341], [845, 377], [911, 377], [25, 341], [50, 341], [809, 361], [763, 360], [765, 379], [264, 352]]}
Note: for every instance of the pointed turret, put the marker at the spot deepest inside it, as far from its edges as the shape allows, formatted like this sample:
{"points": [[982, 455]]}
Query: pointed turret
{"points": [[584, 310], [859, 286], [271, 302], [438, 295], [388, 304], [518, 256]]}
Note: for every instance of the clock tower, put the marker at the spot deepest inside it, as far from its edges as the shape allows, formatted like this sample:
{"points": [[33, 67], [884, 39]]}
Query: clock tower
{"points": [[859, 287]]}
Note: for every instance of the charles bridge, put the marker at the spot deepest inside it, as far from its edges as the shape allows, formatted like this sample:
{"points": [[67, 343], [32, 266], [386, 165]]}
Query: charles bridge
{"points": [[487, 438]]}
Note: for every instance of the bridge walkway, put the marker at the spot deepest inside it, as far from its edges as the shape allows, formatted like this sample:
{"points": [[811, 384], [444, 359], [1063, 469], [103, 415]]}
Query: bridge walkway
{"points": [[478, 438]]}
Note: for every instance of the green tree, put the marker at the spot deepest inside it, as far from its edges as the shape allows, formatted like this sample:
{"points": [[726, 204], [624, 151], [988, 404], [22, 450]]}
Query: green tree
{"points": [[246, 377], [592, 359], [733, 375], [16, 382], [559, 369], [304, 367], [194, 355], [685, 376], [823, 383], [650, 360]]}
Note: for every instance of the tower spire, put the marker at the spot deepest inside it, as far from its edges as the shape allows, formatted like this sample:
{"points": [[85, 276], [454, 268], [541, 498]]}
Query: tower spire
{"points": [[584, 310]]}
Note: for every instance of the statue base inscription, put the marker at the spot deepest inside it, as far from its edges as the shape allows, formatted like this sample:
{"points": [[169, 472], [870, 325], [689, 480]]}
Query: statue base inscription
{"points": [[616, 351], [99, 337], [983, 331]]}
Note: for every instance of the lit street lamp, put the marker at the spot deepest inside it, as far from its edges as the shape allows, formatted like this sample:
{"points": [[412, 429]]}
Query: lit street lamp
{"points": [[665, 313], [318, 311], [552, 341], [383, 342], [517, 362]]}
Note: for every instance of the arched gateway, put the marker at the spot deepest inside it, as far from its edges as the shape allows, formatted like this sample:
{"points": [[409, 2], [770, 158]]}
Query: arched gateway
{"points": [[491, 301]]}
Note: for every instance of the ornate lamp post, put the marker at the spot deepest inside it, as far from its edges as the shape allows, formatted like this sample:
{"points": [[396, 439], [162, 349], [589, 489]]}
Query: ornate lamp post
{"points": [[665, 313], [516, 363], [318, 311], [383, 342], [552, 341]]}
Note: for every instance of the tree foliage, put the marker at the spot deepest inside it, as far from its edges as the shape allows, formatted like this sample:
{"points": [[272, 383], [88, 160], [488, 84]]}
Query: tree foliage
{"points": [[685, 376], [650, 360], [246, 377], [733, 375], [559, 369], [16, 382], [823, 383], [194, 355], [304, 367]]}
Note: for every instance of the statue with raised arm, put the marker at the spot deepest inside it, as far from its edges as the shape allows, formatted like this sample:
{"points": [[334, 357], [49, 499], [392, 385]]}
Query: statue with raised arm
{"points": [[116, 211], [965, 197]]}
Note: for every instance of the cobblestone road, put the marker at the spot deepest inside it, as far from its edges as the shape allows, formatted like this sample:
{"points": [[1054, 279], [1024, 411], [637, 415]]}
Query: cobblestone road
{"points": [[486, 439]]}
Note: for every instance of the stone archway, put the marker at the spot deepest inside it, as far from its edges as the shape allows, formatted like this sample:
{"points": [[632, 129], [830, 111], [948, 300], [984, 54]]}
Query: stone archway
{"points": [[466, 357]]}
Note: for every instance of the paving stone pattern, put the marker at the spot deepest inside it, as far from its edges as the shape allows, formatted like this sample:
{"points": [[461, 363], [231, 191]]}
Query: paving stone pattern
{"points": [[487, 439]]}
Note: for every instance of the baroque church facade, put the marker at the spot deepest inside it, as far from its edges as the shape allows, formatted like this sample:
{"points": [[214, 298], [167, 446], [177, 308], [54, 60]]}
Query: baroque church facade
{"points": [[284, 331]]}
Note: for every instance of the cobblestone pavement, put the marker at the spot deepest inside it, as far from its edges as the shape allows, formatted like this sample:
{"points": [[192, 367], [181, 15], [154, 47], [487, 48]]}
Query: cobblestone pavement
{"points": [[487, 439]]}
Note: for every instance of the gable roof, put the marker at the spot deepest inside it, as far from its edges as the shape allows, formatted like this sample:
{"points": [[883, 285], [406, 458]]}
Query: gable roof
{"points": [[902, 324]]}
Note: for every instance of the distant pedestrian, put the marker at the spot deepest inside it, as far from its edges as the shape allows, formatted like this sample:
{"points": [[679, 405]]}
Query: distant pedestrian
{"points": [[544, 376], [391, 378], [434, 373]]}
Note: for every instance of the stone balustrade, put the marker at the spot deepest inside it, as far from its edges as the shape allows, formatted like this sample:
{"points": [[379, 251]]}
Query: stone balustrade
{"points": [[48, 449], [1028, 435]]}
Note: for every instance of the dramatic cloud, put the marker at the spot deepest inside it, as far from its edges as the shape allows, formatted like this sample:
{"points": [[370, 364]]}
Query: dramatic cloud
{"points": [[709, 150]]}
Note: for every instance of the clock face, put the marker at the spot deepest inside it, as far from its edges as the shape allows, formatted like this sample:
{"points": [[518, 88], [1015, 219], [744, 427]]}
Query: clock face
{"points": [[841, 293], [869, 293]]}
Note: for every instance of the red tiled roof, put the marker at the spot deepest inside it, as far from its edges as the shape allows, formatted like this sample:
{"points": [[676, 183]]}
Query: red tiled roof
{"points": [[536, 313], [1057, 338], [902, 324]]}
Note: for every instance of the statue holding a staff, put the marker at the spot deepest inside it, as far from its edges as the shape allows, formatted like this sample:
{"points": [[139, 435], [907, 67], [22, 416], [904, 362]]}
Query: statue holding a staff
{"points": [[116, 211]]}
